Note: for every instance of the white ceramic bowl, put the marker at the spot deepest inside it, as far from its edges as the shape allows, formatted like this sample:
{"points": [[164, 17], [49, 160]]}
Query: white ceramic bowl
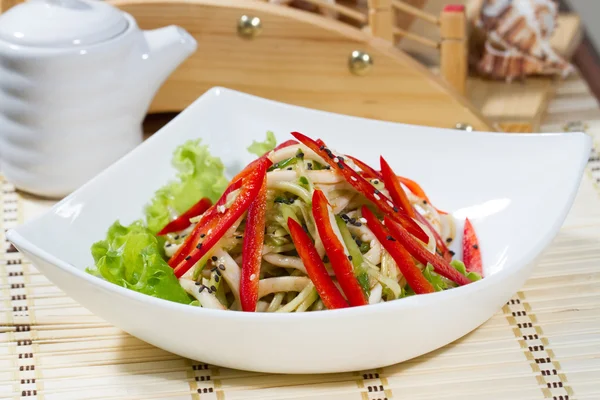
{"points": [[517, 189]]}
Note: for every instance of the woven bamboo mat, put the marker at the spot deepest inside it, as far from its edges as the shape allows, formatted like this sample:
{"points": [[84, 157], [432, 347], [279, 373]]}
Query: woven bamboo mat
{"points": [[543, 344]]}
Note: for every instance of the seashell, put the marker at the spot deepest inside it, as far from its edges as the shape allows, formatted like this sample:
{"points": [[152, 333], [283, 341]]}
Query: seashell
{"points": [[518, 39]]}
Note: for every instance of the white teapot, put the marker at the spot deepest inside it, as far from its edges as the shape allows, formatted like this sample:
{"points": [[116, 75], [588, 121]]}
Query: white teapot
{"points": [[76, 79]]}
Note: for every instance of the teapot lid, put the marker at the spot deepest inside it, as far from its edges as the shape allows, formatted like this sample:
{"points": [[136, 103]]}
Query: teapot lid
{"points": [[61, 23]]}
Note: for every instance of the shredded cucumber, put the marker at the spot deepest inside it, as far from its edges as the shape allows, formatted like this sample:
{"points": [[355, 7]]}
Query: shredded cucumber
{"points": [[357, 258]]}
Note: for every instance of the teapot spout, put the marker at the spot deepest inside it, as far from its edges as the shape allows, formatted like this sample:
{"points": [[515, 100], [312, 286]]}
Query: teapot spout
{"points": [[167, 48]]}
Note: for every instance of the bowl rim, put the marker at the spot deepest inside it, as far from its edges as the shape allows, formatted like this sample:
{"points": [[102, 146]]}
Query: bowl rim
{"points": [[21, 242]]}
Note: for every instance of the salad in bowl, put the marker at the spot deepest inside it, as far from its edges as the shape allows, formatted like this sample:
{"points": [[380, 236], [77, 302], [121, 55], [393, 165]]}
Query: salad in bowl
{"points": [[301, 228]]}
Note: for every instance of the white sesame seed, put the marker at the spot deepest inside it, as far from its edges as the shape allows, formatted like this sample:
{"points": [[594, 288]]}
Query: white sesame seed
{"points": [[363, 220], [221, 209], [252, 277], [390, 204], [336, 160], [377, 196], [353, 178]]}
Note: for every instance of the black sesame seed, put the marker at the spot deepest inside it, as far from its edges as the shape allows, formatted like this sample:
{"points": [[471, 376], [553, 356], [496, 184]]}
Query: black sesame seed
{"points": [[345, 217], [350, 258], [199, 246], [395, 209], [451, 252], [352, 221], [202, 287], [213, 288], [340, 165], [213, 269], [188, 258], [276, 165], [168, 245], [176, 237], [375, 181], [309, 166], [341, 158], [358, 224], [425, 202], [239, 237], [300, 154], [221, 267], [305, 228], [326, 259], [475, 246], [358, 242], [449, 240], [289, 168], [328, 167], [185, 235], [214, 258], [322, 148], [390, 238], [197, 283], [202, 236], [217, 278], [218, 272], [377, 191]]}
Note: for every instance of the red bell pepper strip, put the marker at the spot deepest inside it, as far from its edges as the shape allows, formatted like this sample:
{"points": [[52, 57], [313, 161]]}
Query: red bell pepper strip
{"points": [[367, 170], [254, 236], [214, 229], [393, 186], [329, 293], [404, 261], [342, 267], [417, 190], [471, 250], [250, 166], [183, 221], [421, 254], [364, 187], [194, 236]]}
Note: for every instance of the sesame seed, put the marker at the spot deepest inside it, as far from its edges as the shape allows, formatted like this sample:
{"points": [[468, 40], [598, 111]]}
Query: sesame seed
{"points": [[358, 241], [218, 272], [176, 237], [377, 191], [289, 168], [252, 277], [184, 235], [168, 245], [188, 258], [213, 269], [197, 283], [213, 288], [217, 278], [341, 158], [309, 166], [449, 240], [363, 220], [239, 237], [390, 204], [475, 246], [221, 209], [390, 238], [344, 217], [202, 287], [395, 209], [353, 178], [340, 165], [350, 258], [202, 236], [322, 148], [336, 160], [377, 197], [209, 231], [214, 258], [451, 252], [221, 267], [358, 224], [352, 221], [375, 181], [199, 246], [425, 202], [328, 167], [300, 154]]}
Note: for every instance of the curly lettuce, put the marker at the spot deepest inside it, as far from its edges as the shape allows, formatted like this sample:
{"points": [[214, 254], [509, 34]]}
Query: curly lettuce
{"points": [[131, 257], [260, 148], [199, 175]]}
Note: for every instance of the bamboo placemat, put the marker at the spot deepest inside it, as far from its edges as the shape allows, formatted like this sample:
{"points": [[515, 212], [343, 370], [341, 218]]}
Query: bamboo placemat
{"points": [[543, 344]]}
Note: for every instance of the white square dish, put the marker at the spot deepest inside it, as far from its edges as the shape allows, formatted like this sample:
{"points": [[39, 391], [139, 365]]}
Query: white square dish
{"points": [[516, 189]]}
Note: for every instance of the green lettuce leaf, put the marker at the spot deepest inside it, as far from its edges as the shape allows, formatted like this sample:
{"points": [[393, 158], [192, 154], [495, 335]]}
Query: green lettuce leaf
{"points": [[199, 175], [260, 148], [131, 257], [436, 281], [460, 267]]}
